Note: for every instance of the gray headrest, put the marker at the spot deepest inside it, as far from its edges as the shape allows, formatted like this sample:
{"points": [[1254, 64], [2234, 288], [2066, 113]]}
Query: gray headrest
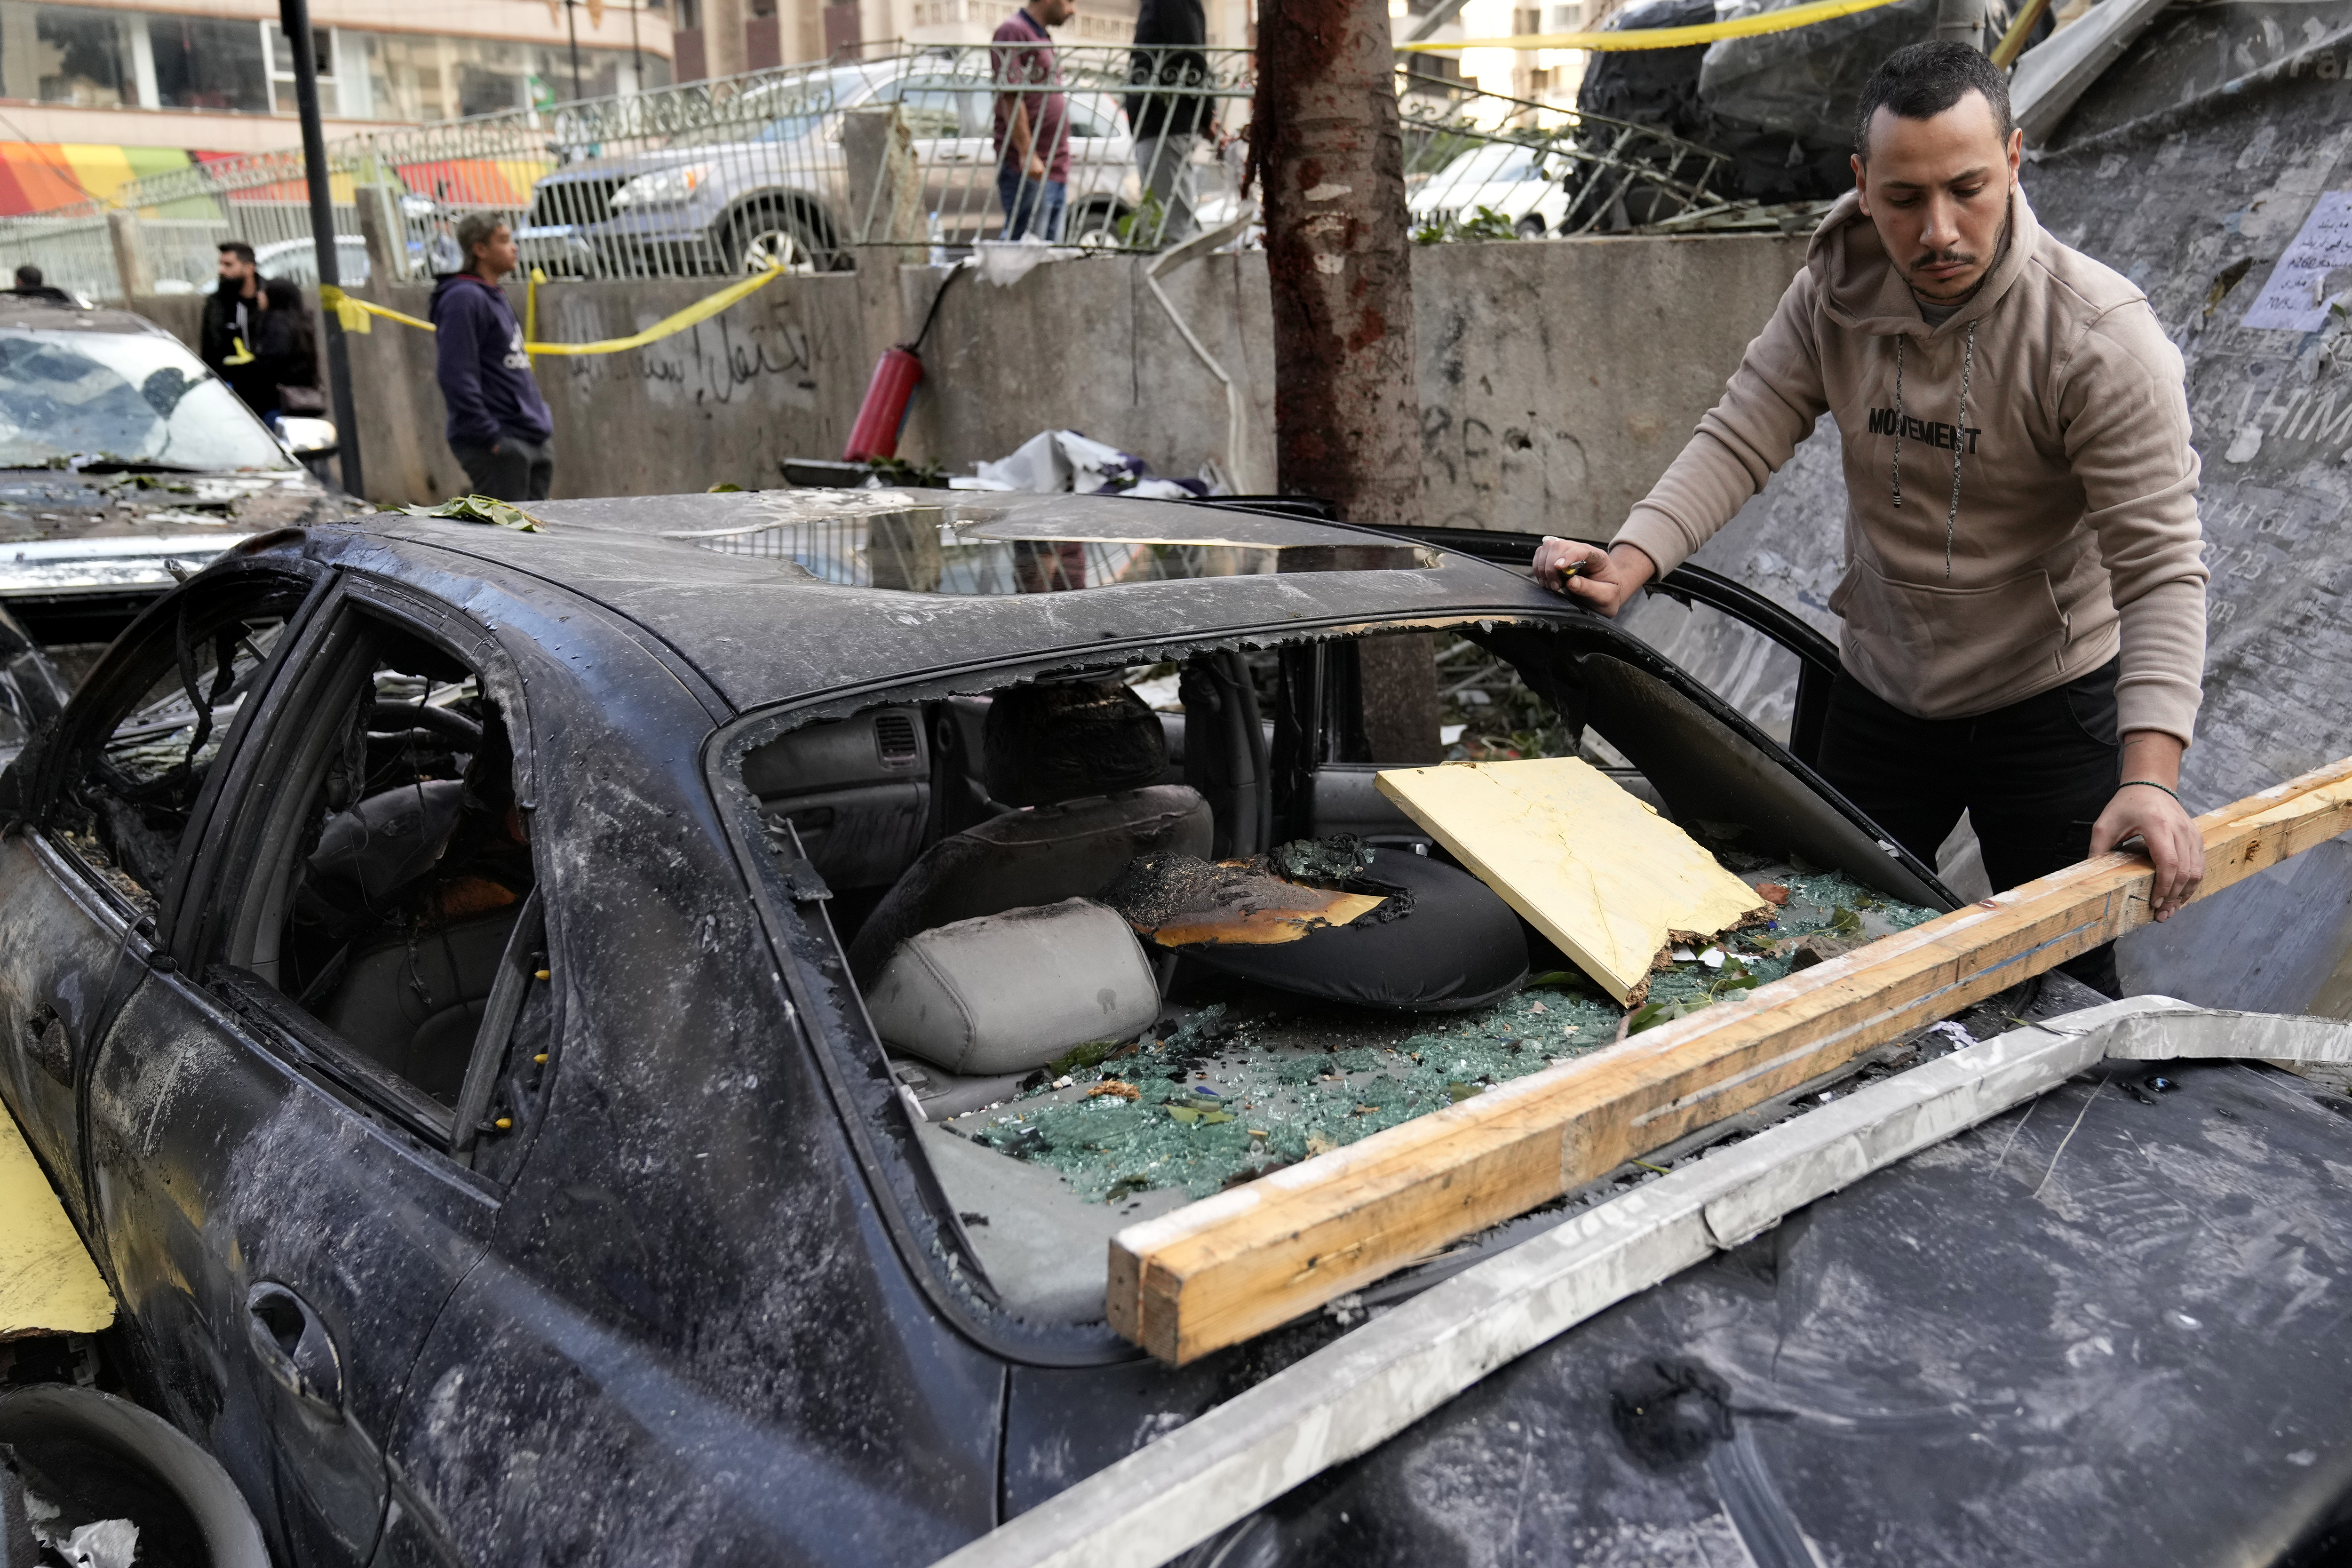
{"points": [[1011, 992]]}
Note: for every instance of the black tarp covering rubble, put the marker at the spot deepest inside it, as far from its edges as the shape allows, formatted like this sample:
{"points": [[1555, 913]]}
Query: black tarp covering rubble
{"points": [[1781, 104], [2190, 166]]}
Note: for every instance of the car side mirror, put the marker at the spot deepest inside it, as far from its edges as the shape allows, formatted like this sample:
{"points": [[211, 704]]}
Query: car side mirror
{"points": [[309, 437]]}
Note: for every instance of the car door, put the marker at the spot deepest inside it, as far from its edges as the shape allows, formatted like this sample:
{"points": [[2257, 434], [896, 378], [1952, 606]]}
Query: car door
{"points": [[99, 810], [284, 1121]]}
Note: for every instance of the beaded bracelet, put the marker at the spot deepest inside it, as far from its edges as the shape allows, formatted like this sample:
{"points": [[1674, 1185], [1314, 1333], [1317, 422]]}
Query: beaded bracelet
{"points": [[2151, 783]]}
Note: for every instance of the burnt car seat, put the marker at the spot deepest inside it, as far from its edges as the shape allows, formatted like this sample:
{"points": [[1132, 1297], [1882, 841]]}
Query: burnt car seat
{"points": [[414, 892], [1080, 756], [414, 1004]]}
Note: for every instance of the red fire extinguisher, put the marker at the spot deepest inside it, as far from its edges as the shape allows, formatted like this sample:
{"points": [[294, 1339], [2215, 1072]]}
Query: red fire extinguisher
{"points": [[896, 376]]}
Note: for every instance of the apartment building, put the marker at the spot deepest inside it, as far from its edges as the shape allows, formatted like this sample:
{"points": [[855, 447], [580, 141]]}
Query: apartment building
{"points": [[95, 94], [1548, 76]]}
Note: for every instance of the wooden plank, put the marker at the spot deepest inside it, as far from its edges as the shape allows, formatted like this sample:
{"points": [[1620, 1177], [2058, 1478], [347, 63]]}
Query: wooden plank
{"points": [[47, 1283], [1594, 868], [1218, 1271]]}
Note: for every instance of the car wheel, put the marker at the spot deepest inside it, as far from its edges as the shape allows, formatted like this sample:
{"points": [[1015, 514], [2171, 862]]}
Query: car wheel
{"points": [[1529, 227], [1094, 226], [97, 1450], [769, 237]]}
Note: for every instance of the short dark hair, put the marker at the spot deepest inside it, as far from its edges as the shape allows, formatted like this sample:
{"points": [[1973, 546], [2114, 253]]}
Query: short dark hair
{"points": [[1922, 81], [28, 276], [476, 228], [238, 248]]}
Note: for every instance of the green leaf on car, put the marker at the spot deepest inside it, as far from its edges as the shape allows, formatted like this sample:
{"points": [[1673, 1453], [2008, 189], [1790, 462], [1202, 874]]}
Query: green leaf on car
{"points": [[477, 509]]}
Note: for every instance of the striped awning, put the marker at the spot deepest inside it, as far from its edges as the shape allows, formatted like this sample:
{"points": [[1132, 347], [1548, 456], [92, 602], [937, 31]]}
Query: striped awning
{"points": [[37, 176]]}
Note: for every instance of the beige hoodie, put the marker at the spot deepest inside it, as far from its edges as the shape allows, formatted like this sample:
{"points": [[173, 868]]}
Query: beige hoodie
{"points": [[2076, 484]]}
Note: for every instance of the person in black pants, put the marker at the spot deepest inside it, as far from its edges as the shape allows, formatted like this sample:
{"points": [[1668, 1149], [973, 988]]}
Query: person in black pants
{"points": [[1169, 36], [286, 353], [498, 425], [2033, 778]]}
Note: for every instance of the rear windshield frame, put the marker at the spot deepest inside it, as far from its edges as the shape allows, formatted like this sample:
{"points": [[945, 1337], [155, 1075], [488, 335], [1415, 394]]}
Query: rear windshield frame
{"points": [[848, 1054]]}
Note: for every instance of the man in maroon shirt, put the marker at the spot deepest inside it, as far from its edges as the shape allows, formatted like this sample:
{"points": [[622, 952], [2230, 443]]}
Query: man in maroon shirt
{"points": [[1032, 128]]}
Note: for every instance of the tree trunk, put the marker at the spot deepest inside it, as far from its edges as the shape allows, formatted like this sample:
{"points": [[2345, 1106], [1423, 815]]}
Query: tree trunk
{"points": [[1347, 419], [1347, 409]]}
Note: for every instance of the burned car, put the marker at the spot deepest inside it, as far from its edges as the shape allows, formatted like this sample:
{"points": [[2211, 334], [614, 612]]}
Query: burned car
{"points": [[125, 464], [626, 1041]]}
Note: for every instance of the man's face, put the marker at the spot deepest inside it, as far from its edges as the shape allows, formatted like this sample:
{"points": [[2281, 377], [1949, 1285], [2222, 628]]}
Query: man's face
{"points": [[1053, 13], [499, 254], [236, 274], [1937, 190]]}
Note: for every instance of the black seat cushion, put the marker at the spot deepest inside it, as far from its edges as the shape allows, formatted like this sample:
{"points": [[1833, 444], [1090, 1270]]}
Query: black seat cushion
{"points": [[1030, 857], [414, 1006], [1458, 945]]}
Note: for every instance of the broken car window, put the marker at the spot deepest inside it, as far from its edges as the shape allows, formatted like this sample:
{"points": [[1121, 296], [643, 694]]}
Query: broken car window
{"points": [[391, 863], [144, 758]]}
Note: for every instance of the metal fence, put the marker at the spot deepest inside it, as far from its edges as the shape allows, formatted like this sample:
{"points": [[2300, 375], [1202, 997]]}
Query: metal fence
{"points": [[72, 248], [930, 152]]}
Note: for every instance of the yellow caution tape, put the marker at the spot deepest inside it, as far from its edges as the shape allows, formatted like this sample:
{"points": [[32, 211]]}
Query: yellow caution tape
{"points": [[531, 305], [353, 314], [701, 310], [1666, 37]]}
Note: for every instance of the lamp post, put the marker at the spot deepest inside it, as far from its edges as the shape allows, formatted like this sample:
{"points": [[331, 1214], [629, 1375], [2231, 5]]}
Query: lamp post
{"points": [[572, 26], [294, 20]]}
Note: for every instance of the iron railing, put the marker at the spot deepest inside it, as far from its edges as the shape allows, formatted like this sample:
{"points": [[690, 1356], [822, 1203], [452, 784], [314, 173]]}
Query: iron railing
{"points": [[806, 166]]}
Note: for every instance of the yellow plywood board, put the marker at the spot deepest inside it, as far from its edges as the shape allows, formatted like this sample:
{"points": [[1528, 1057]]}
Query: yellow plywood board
{"points": [[47, 1283], [1607, 878]]}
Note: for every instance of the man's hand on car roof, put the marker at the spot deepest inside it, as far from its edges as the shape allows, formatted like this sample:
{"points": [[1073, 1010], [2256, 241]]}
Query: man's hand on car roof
{"points": [[1599, 579]]}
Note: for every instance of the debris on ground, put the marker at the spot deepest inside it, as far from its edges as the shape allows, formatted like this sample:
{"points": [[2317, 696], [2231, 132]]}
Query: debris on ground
{"points": [[1056, 462]]}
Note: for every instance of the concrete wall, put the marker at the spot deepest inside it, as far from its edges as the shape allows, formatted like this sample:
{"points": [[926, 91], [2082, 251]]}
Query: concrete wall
{"points": [[1547, 404]]}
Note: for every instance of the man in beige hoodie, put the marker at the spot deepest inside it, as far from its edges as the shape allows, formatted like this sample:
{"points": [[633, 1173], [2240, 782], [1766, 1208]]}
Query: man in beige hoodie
{"points": [[2024, 589]]}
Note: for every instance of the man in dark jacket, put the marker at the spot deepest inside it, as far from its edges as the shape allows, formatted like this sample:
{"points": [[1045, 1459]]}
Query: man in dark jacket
{"points": [[232, 327], [498, 425], [1169, 39]]}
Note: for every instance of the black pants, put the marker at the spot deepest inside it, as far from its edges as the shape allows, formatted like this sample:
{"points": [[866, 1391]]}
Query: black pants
{"points": [[2033, 776], [510, 471]]}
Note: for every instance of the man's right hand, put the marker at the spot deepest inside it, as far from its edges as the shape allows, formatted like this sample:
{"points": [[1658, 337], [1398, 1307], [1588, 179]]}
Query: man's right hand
{"points": [[1036, 169], [1599, 579]]}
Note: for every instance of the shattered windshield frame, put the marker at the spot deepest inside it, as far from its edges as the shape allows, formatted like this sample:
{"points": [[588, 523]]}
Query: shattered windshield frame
{"points": [[66, 397], [1239, 1090]]}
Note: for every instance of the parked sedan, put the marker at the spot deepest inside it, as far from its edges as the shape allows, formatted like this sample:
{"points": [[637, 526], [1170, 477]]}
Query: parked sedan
{"points": [[1520, 184], [767, 184], [469, 985], [123, 462], [432, 953]]}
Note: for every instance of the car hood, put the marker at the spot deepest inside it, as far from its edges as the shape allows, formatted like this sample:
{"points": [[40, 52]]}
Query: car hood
{"points": [[41, 505]]}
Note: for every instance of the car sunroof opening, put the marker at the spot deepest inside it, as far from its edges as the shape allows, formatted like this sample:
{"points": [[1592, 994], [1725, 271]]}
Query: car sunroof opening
{"points": [[890, 539]]}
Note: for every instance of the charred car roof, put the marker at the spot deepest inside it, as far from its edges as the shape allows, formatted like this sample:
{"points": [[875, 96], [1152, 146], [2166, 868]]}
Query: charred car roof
{"points": [[766, 628]]}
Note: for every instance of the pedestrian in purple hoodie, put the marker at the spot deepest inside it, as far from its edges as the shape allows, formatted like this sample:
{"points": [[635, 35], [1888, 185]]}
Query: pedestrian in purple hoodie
{"points": [[498, 423]]}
